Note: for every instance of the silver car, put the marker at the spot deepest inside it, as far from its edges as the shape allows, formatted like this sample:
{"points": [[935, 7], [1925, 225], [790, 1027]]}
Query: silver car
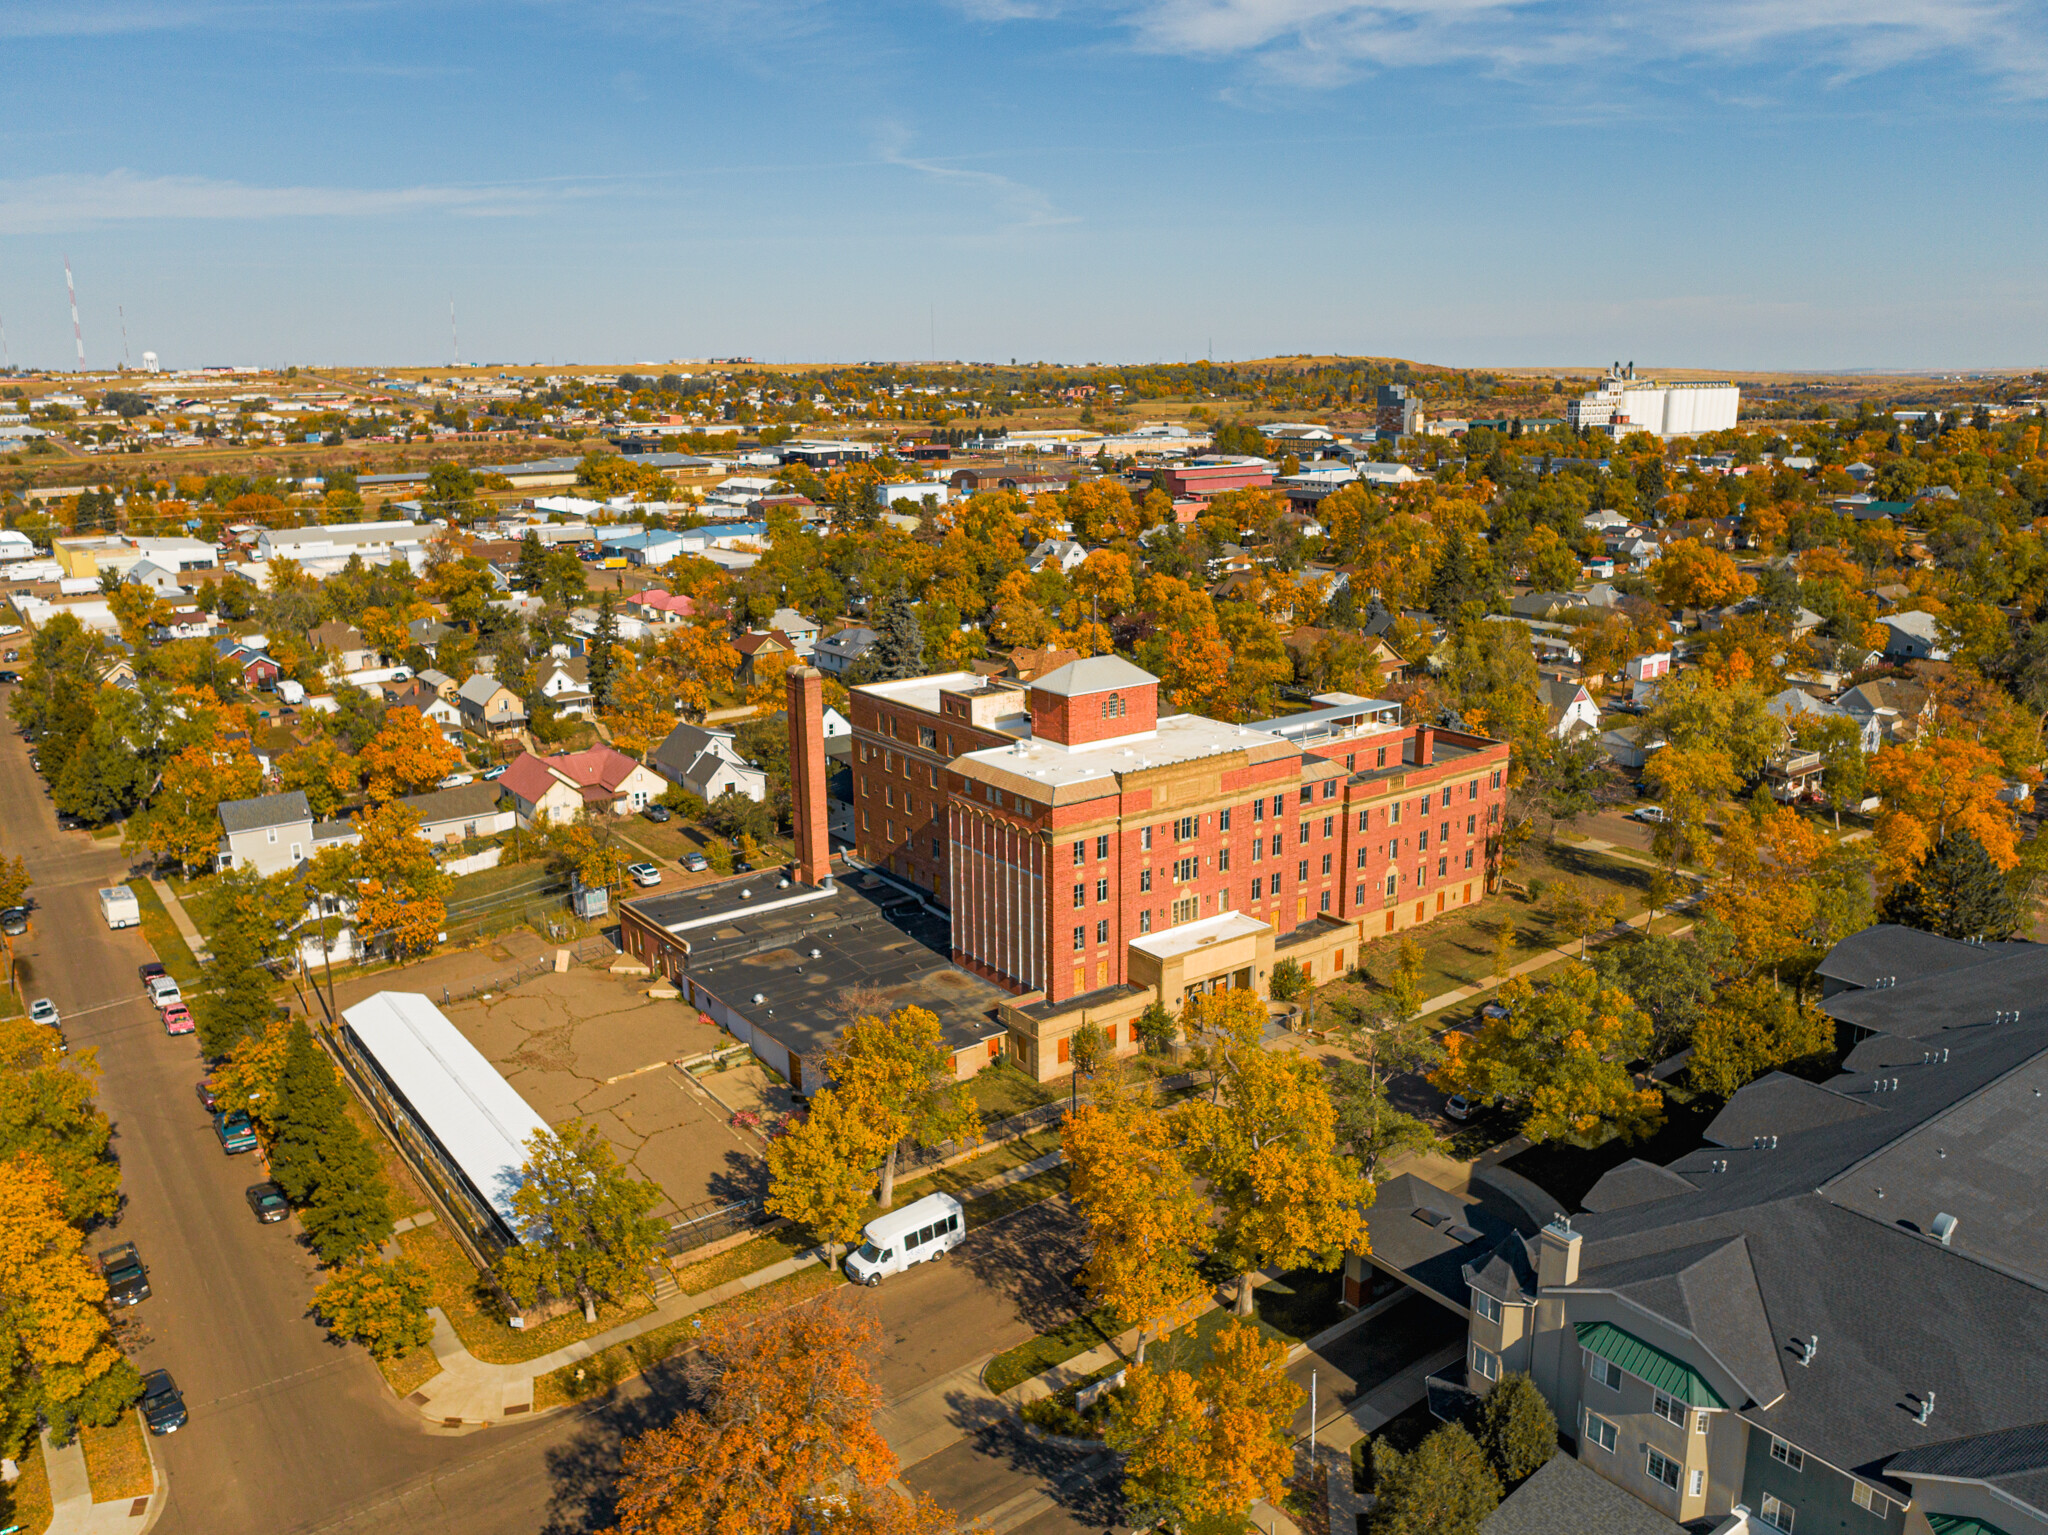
{"points": [[43, 1010]]}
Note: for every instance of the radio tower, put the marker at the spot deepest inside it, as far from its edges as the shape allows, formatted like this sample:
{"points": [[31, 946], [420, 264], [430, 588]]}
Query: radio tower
{"points": [[71, 288], [122, 311]]}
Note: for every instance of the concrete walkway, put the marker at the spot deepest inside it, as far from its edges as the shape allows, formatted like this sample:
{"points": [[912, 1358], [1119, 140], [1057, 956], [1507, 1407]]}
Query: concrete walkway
{"points": [[1542, 961], [179, 918], [72, 1510]]}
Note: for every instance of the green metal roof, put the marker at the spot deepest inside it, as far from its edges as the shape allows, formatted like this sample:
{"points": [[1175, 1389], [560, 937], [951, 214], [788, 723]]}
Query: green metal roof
{"points": [[1961, 1524], [1674, 1377]]}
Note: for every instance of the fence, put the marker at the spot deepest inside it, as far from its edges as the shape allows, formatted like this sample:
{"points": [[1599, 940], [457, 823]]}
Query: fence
{"points": [[702, 1224], [533, 904]]}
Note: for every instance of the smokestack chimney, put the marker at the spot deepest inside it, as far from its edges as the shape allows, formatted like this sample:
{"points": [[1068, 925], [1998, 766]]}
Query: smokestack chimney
{"points": [[807, 775], [1425, 745]]}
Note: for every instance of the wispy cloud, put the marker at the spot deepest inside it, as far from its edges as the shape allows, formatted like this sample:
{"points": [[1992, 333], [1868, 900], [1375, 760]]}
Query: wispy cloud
{"points": [[1326, 42], [1022, 206], [48, 204]]}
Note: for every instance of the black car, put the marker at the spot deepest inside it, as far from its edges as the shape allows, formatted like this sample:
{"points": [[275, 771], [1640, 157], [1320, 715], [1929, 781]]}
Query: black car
{"points": [[14, 921], [10, 677], [268, 1202], [163, 1405], [658, 814], [127, 1277]]}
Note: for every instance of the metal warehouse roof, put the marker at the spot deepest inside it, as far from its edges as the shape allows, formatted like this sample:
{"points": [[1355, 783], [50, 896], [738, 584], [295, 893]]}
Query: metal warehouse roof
{"points": [[458, 1096]]}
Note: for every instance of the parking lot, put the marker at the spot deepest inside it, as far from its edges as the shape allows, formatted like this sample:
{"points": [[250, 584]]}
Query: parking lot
{"points": [[590, 1045]]}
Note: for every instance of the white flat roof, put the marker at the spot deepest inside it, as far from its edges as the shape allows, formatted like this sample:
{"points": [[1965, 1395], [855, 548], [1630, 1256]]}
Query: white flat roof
{"points": [[479, 1119], [1190, 936], [922, 692], [1179, 738]]}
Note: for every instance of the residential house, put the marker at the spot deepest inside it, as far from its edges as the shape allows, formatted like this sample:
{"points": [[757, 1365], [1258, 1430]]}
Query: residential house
{"points": [[489, 708], [258, 669], [415, 694], [345, 646], [1028, 663], [458, 814], [655, 606], [1631, 745], [564, 682], [836, 653], [1824, 1318], [802, 631], [275, 832], [759, 654], [706, 763], [1568, 707], [428, 632], [1644, 672], [1793, 775], [1795, 704], [443, 684], [156, 578], [184, 624], [1898, 706], [1062, 552], [561, 788], [1913, 636]]}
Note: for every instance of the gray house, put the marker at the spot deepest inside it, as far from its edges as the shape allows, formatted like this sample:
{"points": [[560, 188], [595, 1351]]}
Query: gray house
{"points": [[835, 654], [275, 832], [706, 763]]}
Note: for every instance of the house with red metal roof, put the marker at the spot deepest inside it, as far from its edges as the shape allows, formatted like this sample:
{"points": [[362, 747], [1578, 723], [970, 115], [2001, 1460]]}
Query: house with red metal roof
{"points": [[561, 788]]}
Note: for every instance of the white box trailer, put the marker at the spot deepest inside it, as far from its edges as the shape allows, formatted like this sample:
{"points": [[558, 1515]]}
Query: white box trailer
{"points": [[118, 907], [917, 1233]]}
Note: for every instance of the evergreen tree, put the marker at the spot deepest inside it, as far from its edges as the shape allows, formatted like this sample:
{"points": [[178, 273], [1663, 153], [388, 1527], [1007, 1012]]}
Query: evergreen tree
{"points": [[899, 652], [1650, 484], [1516, 1429], [1957, 892], [1443, 1487], [321, 1159], [310, 1105], [533, 562], [241, 989], [599, 671]]}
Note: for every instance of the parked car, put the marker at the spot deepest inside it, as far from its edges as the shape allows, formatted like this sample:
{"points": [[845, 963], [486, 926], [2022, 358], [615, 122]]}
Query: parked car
{"points": [[149, 972], [493, 774], [644, 873], [1457, 1106], [696, 863], [207, 1100], [1494, 1010], [126, 1275], [457, 780], [163, 1405], [14, 921], [268, 1202], [658, 814], [43, 1010], [178, 1019], [10, 677], [236, 1134], [163, 991], [1654, 814]]}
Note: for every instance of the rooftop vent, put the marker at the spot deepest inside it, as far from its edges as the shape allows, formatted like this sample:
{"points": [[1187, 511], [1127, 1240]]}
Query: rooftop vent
{"points": [[1763, 1143], [1809, 1348], [817, 954], [1944, 1228], [759, 998], [746, 895], [1926, 1406]]}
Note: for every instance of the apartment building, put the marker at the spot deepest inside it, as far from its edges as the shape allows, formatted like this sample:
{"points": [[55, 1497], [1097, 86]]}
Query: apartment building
{"points": [[1828, 1317], [1093, 855]]}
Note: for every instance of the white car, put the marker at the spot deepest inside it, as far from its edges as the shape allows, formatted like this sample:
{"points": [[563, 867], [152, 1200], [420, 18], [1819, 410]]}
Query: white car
{"points": [[1457, 1106], [1654, 814], [43, 1011], [8, 629], [644, 873], [457, 780], [163, 991]]}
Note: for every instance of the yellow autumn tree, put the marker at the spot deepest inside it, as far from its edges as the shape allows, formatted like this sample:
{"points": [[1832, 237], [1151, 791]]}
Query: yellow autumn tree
{"points": [[401, 891], [1690, 574], [407, 755], [1932, 788]]}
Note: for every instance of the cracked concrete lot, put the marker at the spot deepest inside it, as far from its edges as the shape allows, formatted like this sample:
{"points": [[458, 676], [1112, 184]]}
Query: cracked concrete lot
{"points": [[590, 1045]]}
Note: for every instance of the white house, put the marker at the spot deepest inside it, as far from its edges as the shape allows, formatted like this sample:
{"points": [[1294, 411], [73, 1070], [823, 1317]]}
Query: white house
{"points": [[1569, 708], [1063, 552], [706, 763], [453, 815], [1913, 636], [564, 681]]}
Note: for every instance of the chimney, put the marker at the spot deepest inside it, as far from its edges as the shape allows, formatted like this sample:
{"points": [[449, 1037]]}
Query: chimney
{"points": [[1425, 744], [807, 775], [1557, 1253]]}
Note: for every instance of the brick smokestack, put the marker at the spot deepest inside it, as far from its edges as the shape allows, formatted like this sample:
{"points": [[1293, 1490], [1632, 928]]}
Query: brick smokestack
{"points": [[1425, 745], [807, 775]]}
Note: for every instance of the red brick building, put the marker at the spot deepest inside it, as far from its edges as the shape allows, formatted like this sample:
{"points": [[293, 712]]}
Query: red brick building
{"points": [[1093, 855]]}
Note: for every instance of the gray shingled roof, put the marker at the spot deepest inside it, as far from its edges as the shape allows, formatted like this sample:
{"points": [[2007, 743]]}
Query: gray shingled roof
{"points": [[1888, 950], [464, 800], [239, 815], [1567, 1497], [1094, 674]]}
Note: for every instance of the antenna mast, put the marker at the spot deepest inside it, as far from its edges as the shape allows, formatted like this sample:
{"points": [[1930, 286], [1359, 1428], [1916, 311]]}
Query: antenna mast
{"points": [[122, 311], [71, 288]]}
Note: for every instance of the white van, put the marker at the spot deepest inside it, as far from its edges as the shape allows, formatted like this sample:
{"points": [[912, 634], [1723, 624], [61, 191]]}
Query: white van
{"points": [[920, 1231]]}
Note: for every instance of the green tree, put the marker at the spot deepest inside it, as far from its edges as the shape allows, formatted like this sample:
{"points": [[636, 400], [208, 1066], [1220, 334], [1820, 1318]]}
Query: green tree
{"points": [[603, 642], [532, 570], [1288, 981], [382, 1306], [819, 1172], [450, 489], [898, 651], [582, 1222], [1957, 891], [1515, 1428], [1156, 1028], [1755, 1027], [321, 1159], [1442, 1487], [239, 991], [1369, 1125], [1671, 979]]}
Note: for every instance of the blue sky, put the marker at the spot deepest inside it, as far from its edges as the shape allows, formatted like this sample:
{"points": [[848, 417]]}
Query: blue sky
{"points": [[1711, 183]]}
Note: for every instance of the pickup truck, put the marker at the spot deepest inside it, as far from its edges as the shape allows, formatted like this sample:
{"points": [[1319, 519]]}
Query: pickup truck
{"points": [[126, 1274], [235, 1132], [163, 991]]}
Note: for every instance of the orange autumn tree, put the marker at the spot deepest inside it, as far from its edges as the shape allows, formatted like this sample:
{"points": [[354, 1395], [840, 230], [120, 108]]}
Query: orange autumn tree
{"points": [[1689, 574], [406, 756], [401, 891], [1932, 788], [1126, 1176], [787, 1414]]}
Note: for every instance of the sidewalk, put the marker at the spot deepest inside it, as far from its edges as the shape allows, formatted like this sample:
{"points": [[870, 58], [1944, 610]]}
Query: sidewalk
{"points": [[1542, 961], [470, 1391], [72, 1510], [182, 922]]}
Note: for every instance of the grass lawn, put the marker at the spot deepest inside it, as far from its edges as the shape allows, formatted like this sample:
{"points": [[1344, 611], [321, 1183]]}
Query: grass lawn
{"points": [[1036, 1355], [602, 1371], [117, 1460], [27, 1502], [1002, 1089], [1567, 1170], [110, 832], [1189, 1349], [11, 1005], [473, 1313], [163, 936], [737, 1262], [406, 1373], [1012, 1197], [964, 1175]]}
